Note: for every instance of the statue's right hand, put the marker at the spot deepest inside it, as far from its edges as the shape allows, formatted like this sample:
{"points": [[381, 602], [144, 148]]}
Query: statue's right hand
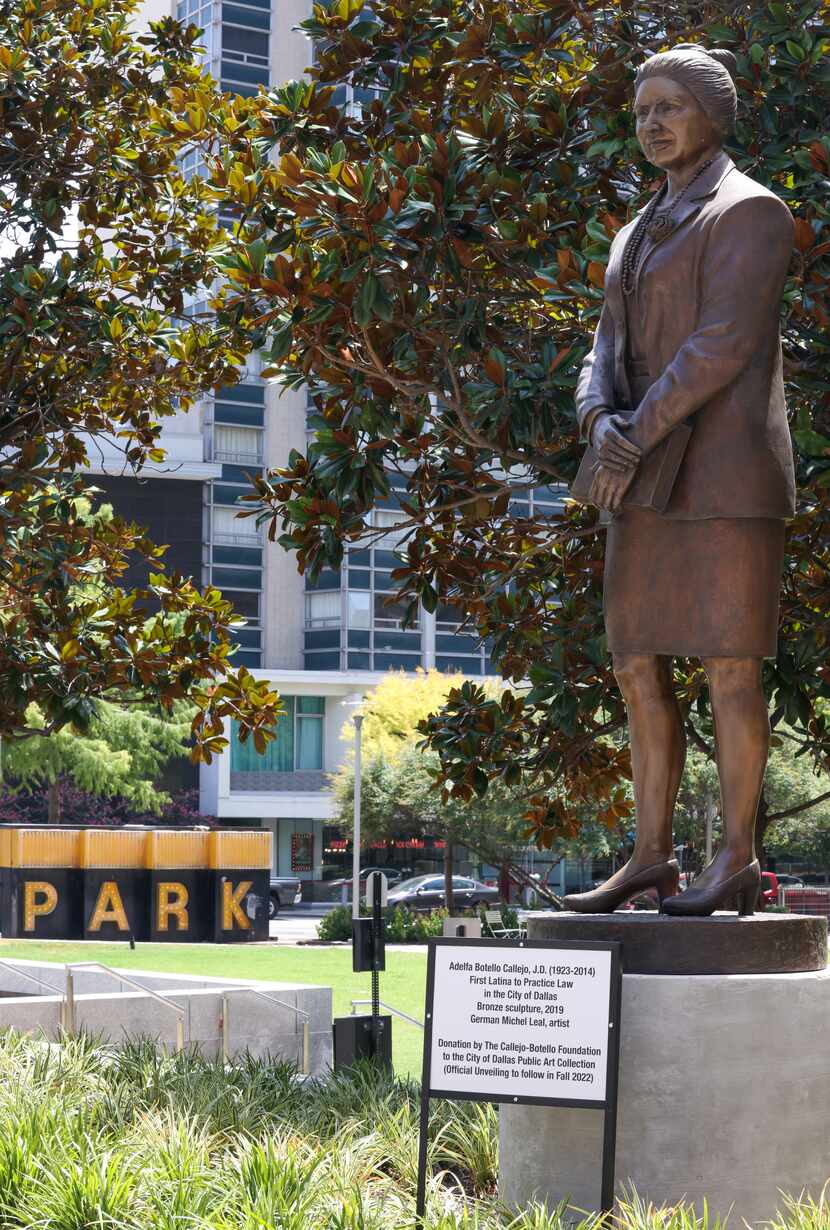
{"points": [[614, 450]]}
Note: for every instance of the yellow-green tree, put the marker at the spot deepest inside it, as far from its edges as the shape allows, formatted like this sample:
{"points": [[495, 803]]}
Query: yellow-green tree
{"points": [[400, 787]]}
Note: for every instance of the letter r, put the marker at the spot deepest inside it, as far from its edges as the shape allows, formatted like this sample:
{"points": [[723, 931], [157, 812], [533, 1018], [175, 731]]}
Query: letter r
{"points": [[172, 903]]}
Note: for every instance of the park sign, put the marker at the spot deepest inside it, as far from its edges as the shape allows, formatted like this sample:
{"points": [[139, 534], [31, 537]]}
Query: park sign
{"points": [[164, 884], [529, 1022]]}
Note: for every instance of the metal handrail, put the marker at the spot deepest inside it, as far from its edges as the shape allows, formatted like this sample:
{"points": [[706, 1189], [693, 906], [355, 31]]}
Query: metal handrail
{"points": [[300, 1012], [69, 998], [359, 1003], [31, 978]]}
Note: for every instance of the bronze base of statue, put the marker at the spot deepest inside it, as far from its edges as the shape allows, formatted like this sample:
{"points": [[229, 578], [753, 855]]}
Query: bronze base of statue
{"points": [[723, 943]]}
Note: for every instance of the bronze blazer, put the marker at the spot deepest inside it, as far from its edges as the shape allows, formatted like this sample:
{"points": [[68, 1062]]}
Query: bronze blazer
{"points": [[709, 295]]}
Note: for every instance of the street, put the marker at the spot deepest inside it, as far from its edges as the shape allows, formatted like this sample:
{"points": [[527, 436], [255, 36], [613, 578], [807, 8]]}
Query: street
{"points": [[298, 923]]}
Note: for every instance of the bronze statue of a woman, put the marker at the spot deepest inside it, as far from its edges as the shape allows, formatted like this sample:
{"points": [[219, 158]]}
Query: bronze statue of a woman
{"points": [[689, 334]]}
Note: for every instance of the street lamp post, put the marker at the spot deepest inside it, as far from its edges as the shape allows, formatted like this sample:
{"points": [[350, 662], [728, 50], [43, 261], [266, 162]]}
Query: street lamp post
{"points": [[358, 723]]}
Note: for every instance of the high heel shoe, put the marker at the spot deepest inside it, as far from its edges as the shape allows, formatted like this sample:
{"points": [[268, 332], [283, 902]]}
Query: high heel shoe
{"points": [[745, 885], [665, 877]]}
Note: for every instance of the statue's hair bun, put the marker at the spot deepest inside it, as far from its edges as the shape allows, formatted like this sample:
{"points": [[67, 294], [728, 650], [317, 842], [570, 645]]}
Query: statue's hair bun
{"points": [[723, 57], [726, 58]]}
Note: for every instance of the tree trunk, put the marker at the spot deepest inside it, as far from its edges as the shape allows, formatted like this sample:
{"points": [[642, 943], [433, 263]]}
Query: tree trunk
{"points": [[54, 796], [448, 870], [504, 883]]}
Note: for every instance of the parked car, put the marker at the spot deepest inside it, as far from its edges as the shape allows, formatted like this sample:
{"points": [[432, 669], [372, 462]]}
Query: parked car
{"points": [[427, 893], [394, 875], [284, 890], [769, 887], [788, 881]]}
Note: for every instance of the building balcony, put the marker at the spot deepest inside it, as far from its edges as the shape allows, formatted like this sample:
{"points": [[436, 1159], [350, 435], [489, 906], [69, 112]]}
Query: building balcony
{"points": [[299, 782], [239, 458]]}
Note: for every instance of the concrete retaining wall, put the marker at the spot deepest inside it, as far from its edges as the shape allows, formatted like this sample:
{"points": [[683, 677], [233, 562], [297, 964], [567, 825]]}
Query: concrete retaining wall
{"points": [[116, 1012]]}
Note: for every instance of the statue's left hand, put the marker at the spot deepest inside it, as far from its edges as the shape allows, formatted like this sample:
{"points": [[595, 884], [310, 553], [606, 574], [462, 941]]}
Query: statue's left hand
{"points": [[609, 488]]}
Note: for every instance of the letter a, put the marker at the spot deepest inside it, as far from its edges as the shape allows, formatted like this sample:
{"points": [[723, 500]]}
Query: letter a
{"points": [[109, 908]]}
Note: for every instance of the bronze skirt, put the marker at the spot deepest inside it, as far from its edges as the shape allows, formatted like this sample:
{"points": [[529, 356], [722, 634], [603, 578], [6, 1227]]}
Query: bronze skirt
{"points": [[693, 588]]}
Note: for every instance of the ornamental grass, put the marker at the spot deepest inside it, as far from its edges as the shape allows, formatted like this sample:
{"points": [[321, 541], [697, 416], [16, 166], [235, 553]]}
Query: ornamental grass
{"points": [[94, 1137]]}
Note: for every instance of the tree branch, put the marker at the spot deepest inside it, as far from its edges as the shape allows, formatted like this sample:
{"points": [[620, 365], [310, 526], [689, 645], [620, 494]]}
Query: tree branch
{"points": [[795, 811]]}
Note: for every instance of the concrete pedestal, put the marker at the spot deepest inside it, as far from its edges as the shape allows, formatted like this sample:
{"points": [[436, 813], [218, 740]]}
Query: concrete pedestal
{"points": [[724, 1094]]}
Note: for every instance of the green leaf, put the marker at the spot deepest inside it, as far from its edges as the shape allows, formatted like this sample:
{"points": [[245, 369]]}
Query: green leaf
{"points": [[364, 303]]}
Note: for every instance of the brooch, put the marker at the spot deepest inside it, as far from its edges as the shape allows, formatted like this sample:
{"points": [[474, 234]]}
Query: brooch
{"points": [[660, 226]]}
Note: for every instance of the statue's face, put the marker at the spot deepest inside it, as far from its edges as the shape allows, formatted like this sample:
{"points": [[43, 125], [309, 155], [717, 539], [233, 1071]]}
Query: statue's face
{"points": [[672, 127]]}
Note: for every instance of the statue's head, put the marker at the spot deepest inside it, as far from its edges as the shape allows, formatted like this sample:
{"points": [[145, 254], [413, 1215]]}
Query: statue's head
{"points": [[685, 104]]}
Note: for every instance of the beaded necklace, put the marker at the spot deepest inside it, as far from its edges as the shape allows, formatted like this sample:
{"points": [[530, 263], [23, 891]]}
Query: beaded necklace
{"points": [[655, 223]]}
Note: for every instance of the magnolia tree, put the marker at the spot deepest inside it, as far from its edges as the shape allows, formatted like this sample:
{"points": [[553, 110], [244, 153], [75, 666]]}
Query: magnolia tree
{"points": [[102, 242], [428, 258]]}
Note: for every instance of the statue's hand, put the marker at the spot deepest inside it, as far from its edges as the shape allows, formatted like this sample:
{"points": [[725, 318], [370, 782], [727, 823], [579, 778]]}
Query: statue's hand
{"points": [[614, 450], [610, 486]]}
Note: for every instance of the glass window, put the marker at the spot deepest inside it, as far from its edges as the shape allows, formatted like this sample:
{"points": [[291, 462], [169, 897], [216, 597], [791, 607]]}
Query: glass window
{"points": [[245, 578], [467, 666], [244, 604], [298, 744], [309, 741], [446, 614], [397, 661], [322, 661], [228, 527], [359, 608], [248, 42], [245, 416], [237, 444], [246, 16], [328, 579], [322, 610], [390, 616], [278, 756], [253, 394], [241, 73]]}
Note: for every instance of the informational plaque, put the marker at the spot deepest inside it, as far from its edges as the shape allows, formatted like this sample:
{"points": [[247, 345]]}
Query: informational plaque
{"points": [[523, 1022], [528, 1024]]}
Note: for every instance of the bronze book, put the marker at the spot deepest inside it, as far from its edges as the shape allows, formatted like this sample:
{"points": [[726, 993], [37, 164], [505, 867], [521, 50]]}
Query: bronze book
{"points": [[656, 473]]}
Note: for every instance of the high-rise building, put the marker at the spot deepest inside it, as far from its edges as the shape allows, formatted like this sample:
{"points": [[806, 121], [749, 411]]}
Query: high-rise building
{"points": [[322, 644]]}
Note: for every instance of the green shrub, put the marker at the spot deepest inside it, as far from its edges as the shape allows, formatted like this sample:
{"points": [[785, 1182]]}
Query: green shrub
{"points": [[337, 924], [403, 925], [406, 926]]}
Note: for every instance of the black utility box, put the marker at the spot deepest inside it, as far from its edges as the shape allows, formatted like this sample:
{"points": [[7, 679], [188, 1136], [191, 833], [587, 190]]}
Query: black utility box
{"points": [[368, 951], [353, 1040]]}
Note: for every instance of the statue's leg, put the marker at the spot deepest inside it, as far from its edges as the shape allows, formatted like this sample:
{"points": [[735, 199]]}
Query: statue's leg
{"points": [[742, 734], [658, 750]]}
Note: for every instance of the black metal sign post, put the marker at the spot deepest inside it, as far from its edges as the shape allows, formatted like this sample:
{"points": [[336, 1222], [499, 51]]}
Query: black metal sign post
{"points": [[378, 955], [608, 1104]]}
